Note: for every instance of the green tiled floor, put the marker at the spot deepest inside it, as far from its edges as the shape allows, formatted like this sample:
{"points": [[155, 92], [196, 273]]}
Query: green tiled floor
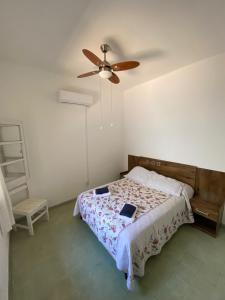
{"points": [[64, 261]]}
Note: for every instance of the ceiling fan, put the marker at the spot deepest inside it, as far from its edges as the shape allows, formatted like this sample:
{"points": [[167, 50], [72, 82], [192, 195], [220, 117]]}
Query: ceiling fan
{"points": [[105, 69]]}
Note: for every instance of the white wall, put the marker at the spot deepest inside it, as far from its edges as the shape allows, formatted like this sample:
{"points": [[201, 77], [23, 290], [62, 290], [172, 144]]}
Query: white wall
{"points": [[55, 132], [55, 136], [180, 117], [4, 257]]}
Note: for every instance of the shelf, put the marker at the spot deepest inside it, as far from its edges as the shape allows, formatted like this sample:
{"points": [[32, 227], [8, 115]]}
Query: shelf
{"points": [[206, 209], [18, 189], [13, 176], [207, 215], [9, 124], [205, 225], [11, 161], [10, 143], [15, 179]]}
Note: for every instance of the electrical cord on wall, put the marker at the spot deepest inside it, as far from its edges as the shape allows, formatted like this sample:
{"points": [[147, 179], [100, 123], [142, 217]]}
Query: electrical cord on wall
{"points": [[101, 104], [100, 127], [87, 148], [111, 107]]}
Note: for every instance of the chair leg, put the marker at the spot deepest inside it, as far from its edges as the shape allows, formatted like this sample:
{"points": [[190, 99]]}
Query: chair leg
{"points": [[47, 214], [30, 225], [14, 227]]}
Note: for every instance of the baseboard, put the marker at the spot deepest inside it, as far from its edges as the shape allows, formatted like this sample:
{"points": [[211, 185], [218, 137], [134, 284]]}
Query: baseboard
{"points": [[61, 203]]}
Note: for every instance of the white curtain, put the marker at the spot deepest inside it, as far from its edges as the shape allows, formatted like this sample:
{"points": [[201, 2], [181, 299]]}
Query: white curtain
{"points": [[6, 214]]}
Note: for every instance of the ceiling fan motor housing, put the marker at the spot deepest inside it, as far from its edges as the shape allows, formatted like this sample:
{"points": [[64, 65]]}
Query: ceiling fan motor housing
{"points": [[105, 67], [105, 48]]}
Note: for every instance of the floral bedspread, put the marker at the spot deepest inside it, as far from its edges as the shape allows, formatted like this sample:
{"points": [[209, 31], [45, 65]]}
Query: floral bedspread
{"points": [[102, 216], [102, 213]]}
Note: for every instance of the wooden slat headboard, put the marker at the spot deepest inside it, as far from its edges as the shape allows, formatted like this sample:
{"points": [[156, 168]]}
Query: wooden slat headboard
{"points": [[181, 172]]}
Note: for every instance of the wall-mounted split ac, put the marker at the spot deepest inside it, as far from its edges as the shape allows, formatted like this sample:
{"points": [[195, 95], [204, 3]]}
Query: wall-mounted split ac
{"points": [[75, 98]]}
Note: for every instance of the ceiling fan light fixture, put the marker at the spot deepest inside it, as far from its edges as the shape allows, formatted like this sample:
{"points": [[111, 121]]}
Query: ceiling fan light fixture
{"points": [[105, 74]]}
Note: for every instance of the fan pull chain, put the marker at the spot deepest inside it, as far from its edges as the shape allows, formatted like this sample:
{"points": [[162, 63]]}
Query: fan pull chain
{"points": [[101, 104], [111, 107], [87, 148]]}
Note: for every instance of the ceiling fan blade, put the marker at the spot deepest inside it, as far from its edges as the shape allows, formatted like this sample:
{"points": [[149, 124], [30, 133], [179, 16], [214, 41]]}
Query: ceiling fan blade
{"points": [[88, 74], [92, 57], [125, 65], [114, 78]]}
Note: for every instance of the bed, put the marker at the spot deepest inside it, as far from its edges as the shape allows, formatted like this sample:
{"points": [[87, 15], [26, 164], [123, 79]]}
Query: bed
{"points": [[162, 207]]}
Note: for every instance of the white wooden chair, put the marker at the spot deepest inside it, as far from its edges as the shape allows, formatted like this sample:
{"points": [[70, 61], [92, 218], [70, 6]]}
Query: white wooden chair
{"points": [[33, 209]]}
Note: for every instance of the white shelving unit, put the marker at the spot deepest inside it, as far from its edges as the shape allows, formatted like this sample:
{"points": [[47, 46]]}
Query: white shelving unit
{"points": [[13, 162], [13, 158]]}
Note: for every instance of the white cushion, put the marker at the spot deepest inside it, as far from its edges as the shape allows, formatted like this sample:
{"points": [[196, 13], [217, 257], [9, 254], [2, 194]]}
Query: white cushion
{"points": [[188, 190], [139, 174], [159, 182], [164, 184]]}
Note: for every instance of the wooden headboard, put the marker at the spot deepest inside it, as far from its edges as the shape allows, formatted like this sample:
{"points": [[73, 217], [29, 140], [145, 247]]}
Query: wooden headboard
{"points": [[210, 185], [181, 172]]}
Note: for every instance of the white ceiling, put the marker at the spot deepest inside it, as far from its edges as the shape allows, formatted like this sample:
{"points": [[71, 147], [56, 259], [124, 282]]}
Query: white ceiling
{"points": [[163, 35]]}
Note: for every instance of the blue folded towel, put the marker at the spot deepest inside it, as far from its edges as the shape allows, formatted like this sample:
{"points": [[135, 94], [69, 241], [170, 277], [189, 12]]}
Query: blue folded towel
{"points": [[128, 210], [103, 191]]}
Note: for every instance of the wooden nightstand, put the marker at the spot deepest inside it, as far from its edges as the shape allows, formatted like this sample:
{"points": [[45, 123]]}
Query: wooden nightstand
{"points": [[122, 174], [207, 215]]}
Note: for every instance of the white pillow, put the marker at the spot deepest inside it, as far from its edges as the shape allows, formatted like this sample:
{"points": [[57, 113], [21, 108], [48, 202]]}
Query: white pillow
{"points": [[139, 174], [159, 182], [164, 184], [188, 190]]}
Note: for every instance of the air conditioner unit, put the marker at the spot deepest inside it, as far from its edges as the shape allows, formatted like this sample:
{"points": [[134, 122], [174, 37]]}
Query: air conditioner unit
{"points": [[75, 98]]}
